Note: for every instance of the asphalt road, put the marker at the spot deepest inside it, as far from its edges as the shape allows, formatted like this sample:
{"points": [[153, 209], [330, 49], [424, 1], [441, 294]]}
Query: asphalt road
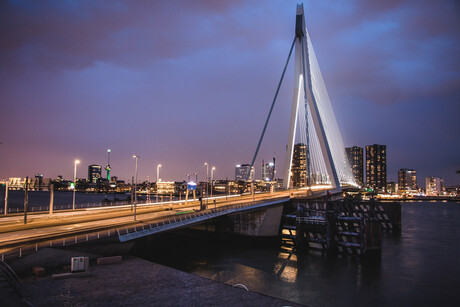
{"points": [[40, 227]]}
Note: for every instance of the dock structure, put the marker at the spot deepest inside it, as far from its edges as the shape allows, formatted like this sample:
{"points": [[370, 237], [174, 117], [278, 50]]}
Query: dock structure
{"points": [[345, 227]]}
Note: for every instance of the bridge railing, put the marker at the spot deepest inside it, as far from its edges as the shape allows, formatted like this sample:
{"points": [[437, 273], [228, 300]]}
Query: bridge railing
{"points": [[56, 242], [12, 278], [193, 216], [45, 208]]}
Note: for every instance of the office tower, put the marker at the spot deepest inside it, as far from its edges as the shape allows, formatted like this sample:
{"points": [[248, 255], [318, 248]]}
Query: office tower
{"points": [[355, 158], [94, 173], [299, 166], [242, 172], [376, 167], [268, 170], [433, 186], [407, 180]]}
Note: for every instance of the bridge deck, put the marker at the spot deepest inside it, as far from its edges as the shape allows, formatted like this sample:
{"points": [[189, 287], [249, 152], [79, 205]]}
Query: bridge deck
{"points": [[195, 218], [72, 227], [65, 228]]}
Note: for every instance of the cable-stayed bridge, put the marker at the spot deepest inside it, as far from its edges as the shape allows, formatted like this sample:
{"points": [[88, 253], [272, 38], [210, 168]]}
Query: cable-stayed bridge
{"points": [[312, 123], [312, 119]]}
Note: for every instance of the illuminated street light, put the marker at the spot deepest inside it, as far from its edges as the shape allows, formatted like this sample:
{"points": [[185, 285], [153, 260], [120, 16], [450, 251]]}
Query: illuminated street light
{"points": [[74, 182], [207, 180], [135, 186], [212, 176], [158, 177]]}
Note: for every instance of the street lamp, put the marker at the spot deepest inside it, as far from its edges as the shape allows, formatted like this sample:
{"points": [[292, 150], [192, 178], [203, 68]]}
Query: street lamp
{"points": [[212, 176], [135, 186], [158, 177], [74, 182], [207, 180]]}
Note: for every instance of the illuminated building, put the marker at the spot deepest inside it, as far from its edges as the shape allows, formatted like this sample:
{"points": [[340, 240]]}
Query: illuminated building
{"points": [[299, 166], [268, 170], [355, 158], [392, 187], [242, 171], [433, 186], [407, 180], [165, 187], [94, 173], [376, 167]]}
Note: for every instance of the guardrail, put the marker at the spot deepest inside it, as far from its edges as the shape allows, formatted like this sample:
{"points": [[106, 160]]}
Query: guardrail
{"points": [[58, 242], [45, 208], [166, 224]]}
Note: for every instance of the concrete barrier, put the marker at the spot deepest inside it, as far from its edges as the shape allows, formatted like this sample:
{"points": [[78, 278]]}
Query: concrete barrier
{"points": [[109, 260], [38, 271]]}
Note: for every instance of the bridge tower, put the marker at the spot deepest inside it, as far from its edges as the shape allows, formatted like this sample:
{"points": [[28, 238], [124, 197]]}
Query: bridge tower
{"points": [[326, 162], [310, 90]]}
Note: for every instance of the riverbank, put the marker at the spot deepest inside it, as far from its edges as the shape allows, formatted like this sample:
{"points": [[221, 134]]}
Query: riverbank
{"points": [[137, 282]]}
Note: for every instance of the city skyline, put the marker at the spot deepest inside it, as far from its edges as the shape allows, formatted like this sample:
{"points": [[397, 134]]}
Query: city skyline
{"points": [[185, 83]]}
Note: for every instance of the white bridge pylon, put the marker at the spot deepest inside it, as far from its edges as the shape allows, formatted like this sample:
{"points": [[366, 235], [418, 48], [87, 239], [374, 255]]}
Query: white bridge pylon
{"points": [[318, 127]]}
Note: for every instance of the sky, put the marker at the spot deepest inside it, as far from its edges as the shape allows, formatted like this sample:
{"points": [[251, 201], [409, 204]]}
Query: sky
{"points": [[182, 83]]}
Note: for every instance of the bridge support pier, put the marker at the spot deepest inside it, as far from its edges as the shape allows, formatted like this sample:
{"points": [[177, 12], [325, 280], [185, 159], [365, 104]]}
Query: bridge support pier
{"points": [[344, 227]]}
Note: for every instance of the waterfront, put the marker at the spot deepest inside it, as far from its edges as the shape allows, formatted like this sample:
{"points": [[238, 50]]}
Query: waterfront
{"points": [[419, 267]]}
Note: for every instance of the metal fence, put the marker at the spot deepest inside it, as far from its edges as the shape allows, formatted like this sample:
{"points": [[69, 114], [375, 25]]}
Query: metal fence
{"points": [[46, 208]]}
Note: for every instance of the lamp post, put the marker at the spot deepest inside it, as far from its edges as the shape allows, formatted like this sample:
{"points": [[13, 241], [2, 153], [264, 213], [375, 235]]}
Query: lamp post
{"points": [[207, 180], [212, 176], [135, 186], [74, 182], [158, 177]]}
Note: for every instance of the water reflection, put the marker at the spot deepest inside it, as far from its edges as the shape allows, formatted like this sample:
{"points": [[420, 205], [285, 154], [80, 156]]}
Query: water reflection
{"points": [[420, 267]]}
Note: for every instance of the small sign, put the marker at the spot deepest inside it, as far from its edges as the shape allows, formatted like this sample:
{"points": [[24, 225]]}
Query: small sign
{"points": [[191, 186]]}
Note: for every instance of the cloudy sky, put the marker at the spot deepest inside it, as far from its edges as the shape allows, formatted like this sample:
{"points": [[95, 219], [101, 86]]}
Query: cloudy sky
{"points": [[186, 82]]}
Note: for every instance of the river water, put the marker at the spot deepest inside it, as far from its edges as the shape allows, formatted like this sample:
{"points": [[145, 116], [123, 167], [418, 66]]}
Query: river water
{"points": [[420, 267]]}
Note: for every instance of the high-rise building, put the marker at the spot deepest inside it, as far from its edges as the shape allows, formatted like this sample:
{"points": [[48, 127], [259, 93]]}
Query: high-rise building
{"points": [[94, 173], [242, 171], [268, 170], [299, 166], [355, 158], [376, 166], [407, 180], [433, 186]]}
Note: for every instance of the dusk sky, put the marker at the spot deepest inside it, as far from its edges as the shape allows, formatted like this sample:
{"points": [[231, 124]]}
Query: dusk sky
{"points": [[186, 82]]}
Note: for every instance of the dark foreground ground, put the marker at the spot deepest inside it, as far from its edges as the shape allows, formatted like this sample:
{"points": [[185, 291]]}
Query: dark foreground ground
{"points": [[137, 282]]}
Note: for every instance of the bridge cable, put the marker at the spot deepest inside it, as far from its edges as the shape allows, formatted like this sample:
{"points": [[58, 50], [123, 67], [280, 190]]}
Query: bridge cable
{"points": [[307, 147], [271, 108]]}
